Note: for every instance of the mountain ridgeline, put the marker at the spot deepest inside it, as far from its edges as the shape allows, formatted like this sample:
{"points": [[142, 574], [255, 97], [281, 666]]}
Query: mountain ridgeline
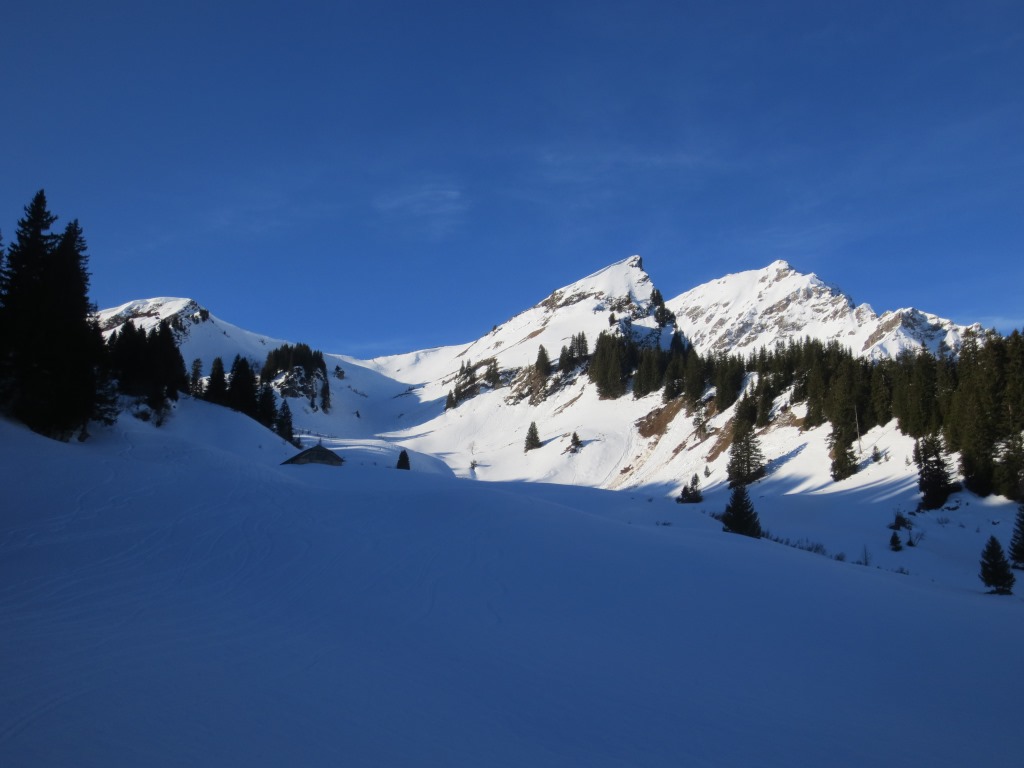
{"points": [[772, 348], [618, 338]]}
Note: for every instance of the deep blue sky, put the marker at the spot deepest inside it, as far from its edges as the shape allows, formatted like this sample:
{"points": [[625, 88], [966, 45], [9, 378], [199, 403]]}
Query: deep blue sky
{"points": [[375, 177]]}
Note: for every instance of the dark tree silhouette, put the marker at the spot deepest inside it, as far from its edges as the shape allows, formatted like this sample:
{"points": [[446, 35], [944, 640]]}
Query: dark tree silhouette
{"points": [[995, 570], [1016, 551], [740, 515]]}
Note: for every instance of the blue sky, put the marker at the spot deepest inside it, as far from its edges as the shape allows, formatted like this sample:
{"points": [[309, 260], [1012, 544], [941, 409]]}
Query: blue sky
{"points": [[378, 177]]}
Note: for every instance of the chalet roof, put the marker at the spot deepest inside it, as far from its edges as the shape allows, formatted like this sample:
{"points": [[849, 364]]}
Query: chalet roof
{"points": [[316, 455]]}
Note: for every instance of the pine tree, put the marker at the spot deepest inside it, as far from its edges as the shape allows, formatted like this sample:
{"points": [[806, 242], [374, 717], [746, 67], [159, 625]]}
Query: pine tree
{"points": [[995, 570], [403, 460], [648, 375], [740, 515], [532, 438], [283, 426], [746, 461], [491, 376], [691, 494], [195, 379], [266, 406], [894, 542], [840, 443], [932, 472], [543, 364], [325, 396], [217, 386], [1016, 551], [575, 444], [51, 353], [579, 347], [241, 392], [606, 367], [450, 401]]}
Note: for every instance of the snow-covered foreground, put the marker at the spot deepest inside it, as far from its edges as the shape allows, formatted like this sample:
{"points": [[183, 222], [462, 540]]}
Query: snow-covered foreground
{"points": [[176, 597]]}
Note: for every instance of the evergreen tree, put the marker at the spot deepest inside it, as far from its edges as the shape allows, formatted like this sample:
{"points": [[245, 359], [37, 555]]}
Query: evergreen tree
{"points": [[995, 570], [403, 460], [266, 406], [565, 361], [532, 438], [606, 367], [746, 461], [691, 493], [491, 376], [51, 352], [166, 363], [740, 515], [894, 542], [1016, 551], [844, 460], [675, 373], [195, 379], [543, 364], [450, 401], [648, 375], [217, 386], [283, 426], [241, 391], [932, 472], [575, 444], [325, 396], [579, 347]]}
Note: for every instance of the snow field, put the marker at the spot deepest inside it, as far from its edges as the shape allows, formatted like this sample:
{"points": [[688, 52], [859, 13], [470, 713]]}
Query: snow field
{"points": [[173, 596]]}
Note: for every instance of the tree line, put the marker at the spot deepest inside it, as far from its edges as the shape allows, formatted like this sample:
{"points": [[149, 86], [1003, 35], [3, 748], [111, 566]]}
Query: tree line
{"points": [[56, 371]]}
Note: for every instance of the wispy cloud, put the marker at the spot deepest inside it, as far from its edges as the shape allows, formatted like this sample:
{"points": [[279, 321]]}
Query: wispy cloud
{"points": [[433, 209], [578, 167]]}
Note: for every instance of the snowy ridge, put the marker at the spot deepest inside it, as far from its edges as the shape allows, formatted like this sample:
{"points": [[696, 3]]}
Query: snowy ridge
{"points": [[743, 312], [199, 333]]}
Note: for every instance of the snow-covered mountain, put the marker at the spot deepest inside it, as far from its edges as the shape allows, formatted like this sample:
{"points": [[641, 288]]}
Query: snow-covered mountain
{"points": [[741, 313], [399, 399]]}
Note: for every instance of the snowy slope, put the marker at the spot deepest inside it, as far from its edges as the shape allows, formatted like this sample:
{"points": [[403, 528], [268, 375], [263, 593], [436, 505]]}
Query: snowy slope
{"points": [[174, 596]]}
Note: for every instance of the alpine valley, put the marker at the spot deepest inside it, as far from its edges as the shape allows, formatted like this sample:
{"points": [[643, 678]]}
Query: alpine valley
{"points": [[171, 593]]}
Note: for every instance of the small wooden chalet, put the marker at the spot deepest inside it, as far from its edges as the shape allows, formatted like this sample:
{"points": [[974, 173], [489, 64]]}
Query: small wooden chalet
{"points": [[316, 455]]}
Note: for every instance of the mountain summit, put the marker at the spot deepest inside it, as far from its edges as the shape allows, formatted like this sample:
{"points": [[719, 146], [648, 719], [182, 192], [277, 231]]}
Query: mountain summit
{"points": [[746, 311]]}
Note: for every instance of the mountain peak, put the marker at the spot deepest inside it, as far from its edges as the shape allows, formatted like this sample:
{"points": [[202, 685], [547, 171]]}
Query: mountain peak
{"points": [[745, 311]]}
